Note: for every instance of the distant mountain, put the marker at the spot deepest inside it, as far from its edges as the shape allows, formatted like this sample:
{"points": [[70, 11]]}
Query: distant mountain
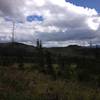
{"points": [[17, 49]]}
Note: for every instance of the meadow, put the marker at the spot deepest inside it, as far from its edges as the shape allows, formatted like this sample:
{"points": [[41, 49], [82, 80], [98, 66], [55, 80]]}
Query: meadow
{"points": [[37, 73]]}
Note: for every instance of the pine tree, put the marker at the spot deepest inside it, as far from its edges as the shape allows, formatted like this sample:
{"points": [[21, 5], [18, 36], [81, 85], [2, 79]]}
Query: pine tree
{"points": [[49, 68], [38, 43], [40, 55], [61, 64]]}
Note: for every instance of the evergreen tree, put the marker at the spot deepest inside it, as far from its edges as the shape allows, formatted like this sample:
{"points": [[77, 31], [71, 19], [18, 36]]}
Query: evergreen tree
{"points": [[62, 67], [38, 43], [97, 52], [40, 55], [49, 67], [61, 62]]}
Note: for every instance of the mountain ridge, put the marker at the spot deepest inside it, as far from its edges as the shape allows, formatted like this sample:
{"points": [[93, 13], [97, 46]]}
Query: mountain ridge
{"points": [[15, 49]]}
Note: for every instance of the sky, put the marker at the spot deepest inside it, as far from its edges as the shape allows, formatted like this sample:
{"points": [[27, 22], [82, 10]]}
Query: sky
{"points": [[55, 22], [87, 3]]}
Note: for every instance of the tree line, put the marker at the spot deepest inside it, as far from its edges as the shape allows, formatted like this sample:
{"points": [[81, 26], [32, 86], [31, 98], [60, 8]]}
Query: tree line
{"points": [[59, 65]]}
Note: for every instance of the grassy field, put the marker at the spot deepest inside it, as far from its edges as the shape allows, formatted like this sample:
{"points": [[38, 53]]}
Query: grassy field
{"points": [[29, 84]]}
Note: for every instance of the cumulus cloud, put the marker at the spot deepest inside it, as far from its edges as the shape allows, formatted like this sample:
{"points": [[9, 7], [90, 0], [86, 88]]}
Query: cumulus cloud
{"points": [[62, 22]]}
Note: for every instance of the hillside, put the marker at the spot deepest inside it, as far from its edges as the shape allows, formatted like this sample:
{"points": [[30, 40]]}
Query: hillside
{"points": [[58, 73], [15, 49]]}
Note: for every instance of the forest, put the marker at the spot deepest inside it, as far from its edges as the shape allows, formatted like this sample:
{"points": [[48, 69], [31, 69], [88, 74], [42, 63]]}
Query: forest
{"points": [[57, 73]]}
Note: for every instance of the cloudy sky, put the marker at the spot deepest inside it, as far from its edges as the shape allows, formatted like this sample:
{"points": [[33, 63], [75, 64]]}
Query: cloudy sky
{"points": [[55, 22]]}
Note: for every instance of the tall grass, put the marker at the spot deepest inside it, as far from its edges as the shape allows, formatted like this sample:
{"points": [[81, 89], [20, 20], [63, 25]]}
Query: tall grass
{"points": [[16, 84]]}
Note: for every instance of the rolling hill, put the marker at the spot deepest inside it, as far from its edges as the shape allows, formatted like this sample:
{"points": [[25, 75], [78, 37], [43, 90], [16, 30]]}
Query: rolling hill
{"points": [[17, 49]]}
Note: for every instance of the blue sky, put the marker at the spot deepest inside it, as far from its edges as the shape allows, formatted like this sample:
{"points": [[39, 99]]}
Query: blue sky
{"points": [[87, 3], [34, 18]]}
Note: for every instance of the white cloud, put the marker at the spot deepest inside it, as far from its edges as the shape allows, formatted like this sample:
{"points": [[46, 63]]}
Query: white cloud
{"points": [[93, 22], [63, 21]]}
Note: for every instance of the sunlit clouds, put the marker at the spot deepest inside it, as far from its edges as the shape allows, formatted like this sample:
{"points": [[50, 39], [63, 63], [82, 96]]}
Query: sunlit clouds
{"points": [[52, 21]]}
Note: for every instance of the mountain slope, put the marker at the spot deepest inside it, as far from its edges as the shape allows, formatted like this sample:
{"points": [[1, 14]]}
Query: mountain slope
{"points": [[15, 49]]}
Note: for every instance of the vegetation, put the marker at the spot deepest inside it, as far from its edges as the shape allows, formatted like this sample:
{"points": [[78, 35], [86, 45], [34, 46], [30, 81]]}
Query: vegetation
{"points": [[37, 73], [27, 84]]}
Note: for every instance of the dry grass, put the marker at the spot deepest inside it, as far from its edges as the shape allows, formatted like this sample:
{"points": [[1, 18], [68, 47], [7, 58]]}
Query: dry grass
{"points": [[25, 84]]}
